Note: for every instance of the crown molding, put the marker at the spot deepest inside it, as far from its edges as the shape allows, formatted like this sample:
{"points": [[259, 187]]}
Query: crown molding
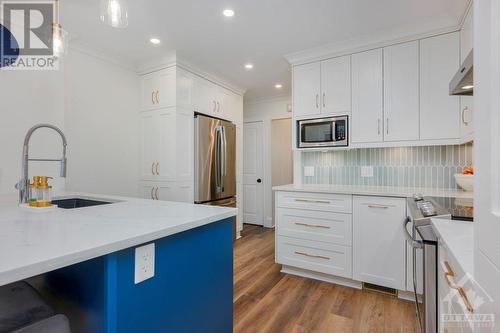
{"points": [[359, 45], [173, 59]]}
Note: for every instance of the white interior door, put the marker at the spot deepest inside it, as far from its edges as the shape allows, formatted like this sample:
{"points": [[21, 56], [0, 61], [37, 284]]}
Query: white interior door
{"points": [[253, 188]]}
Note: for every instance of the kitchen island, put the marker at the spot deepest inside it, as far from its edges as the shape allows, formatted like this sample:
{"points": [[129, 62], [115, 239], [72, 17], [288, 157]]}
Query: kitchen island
{"points": [[86, 256]]}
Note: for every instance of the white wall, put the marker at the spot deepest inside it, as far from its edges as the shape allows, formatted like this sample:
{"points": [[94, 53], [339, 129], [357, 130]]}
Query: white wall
{"points": [[102, 125], [28, 98], [94, 102], [266, 110]]}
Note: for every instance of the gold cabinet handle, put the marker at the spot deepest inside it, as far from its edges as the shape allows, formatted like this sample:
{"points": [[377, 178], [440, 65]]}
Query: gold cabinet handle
{"points": [[153, 168], [378, 206], [311, 255], [156, 193], [313, 201], [157, 97], [152, 189], [448, 276], [313, 225], [317, 101], [153, 97], [465, 109], [156, 169]]}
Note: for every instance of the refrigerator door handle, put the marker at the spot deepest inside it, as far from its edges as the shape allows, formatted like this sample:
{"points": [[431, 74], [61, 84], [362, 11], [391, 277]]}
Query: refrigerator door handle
{"points": [[218, 160]]}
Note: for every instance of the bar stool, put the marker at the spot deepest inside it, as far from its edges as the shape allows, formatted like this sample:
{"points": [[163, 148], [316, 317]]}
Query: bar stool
{"points": [[22, 310]]}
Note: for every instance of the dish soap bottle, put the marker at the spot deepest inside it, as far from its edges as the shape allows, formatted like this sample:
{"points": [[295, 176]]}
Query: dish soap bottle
{"points": [[44, 190], [34, 192]]}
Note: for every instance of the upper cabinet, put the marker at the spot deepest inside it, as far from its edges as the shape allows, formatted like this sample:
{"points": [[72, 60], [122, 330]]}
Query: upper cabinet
{"points": [[322, 88], [367, 103], [401, 110], [159, 89], [336, 85], [439, 112], [306, 89], [466, 102]]}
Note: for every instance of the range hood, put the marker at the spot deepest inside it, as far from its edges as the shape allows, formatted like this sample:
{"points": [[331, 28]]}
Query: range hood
{"points": [[463, 82]]}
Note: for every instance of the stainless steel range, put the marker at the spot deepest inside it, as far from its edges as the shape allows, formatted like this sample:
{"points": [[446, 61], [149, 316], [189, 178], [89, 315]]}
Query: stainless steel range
{"points": [[420, 235]]}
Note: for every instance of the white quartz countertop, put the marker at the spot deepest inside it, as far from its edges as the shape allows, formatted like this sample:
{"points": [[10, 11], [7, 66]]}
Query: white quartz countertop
{"points": [[36, 242], [387, 191], [458, 237]]}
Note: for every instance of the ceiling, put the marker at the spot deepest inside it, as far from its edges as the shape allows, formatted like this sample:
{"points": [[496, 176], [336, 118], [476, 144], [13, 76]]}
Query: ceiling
{"points": [[261, 32]]}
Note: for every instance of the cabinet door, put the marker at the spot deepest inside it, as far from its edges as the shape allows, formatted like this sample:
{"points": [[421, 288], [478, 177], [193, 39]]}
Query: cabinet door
{"points": [[306, 90], [166, 138], [184, 192], [466, 102], [185, 89], [147, 191], [367, 97], [149, 84], [206, 93], [401, 111], [439, 112], [149, 144], [336, 86], [165, 191], [185, 146], [166, 90], [225, 104], [378, 241]]}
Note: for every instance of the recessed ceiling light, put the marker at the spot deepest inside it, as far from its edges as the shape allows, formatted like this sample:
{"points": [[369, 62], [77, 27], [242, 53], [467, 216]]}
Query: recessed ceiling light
{"points": [[278, 86], [155, 41], [228, 12], [249, 66]]}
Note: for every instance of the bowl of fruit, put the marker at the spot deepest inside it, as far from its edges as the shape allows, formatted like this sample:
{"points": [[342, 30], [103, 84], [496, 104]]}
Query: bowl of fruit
{"points": [[465, 180]]}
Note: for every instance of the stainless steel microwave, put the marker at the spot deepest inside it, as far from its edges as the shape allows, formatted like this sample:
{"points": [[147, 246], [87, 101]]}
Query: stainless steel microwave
{"points": [[324, 132]]}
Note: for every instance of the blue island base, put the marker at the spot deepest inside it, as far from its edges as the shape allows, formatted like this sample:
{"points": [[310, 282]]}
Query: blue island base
{"points": [[192, 290]]}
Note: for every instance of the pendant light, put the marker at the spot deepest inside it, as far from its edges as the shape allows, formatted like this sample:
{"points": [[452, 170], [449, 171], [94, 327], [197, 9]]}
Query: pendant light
{"points": [[114, 13], [59, 42]]}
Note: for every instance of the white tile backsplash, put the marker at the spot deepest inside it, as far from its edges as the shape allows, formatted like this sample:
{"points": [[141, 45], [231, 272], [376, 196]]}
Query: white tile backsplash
{"points": [[432, 167]]}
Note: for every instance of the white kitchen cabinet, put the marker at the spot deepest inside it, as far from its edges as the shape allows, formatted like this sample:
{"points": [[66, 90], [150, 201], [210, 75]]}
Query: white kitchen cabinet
{"points": [[158, 89], [401, 94], [367, 97], [158, 144], [466, 102], [336, 86], [379, 246], [439, 112], [205, 96], [307, 89]]}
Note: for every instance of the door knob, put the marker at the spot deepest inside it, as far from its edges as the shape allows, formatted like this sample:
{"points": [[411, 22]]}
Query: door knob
{"points": [[259, 180]]}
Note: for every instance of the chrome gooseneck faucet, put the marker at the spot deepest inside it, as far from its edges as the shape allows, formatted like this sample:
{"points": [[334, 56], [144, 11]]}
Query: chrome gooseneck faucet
{"points": [[24, 183]]}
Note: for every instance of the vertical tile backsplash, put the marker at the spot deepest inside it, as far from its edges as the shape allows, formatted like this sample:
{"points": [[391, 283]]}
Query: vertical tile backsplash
{"points": [[431, 167]]}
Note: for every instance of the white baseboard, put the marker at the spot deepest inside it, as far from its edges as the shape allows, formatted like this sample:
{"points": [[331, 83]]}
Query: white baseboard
{"points": [[321, 277]]}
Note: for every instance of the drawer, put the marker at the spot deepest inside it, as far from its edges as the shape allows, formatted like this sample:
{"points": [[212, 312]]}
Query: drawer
{"points": [[335, 228], [315, 201], [314, 256]]}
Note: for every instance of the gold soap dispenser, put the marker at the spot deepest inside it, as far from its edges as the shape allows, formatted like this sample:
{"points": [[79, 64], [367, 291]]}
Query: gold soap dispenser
{"points": [[44, 192], [34, 192]]}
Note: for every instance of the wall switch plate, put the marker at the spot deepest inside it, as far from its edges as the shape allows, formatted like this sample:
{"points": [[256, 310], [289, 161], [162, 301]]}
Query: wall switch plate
{"points": [[367, 171], [144, 263], [308, 171]]}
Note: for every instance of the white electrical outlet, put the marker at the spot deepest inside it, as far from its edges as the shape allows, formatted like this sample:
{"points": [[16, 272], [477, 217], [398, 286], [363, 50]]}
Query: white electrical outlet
{"points": [[308, 171], [367, 171], [144, 263]]}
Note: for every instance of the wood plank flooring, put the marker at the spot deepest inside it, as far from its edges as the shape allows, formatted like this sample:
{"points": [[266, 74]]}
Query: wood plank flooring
{"points": [[266, 300]]}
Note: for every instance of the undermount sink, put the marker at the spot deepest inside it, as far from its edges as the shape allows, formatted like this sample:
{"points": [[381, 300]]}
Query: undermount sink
{"points": [[71, 203]]}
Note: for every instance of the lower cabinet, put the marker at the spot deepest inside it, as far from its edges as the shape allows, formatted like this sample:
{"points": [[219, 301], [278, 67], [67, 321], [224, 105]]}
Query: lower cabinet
{"points": [[379, 246]]}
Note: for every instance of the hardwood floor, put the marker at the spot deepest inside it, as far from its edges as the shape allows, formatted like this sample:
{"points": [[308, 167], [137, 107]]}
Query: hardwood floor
{"points": [[266, 300]]}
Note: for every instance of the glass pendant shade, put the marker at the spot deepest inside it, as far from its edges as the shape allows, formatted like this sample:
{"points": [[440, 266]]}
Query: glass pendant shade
{"points": [[114, 13], [59, 41]]}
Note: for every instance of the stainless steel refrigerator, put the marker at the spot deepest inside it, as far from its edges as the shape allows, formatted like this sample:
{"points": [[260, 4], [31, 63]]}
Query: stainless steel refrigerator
{"points": [[215, 161]]}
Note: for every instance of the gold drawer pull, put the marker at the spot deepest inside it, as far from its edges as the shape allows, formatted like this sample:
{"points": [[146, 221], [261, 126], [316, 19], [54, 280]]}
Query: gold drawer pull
{"points": [[313, 201], [448, 276], [311, 255], [312, 225], [378, 206]]}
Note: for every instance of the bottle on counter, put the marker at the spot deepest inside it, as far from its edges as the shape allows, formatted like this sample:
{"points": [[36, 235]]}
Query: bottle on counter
{"points": [[44, 192], [34, 192]]}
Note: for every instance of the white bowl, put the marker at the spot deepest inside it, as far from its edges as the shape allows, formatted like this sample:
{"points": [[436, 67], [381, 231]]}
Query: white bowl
{"points": [[465, 182]]}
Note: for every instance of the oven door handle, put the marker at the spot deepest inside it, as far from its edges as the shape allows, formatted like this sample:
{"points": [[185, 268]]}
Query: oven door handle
{"points": [[409, 238]]}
